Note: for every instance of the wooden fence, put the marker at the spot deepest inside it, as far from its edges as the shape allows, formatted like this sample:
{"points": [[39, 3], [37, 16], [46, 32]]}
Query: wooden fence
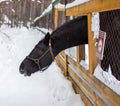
{"points": [[92, 91]]}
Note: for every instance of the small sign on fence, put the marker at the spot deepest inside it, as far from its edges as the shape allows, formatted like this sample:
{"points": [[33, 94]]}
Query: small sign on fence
{"points": [[101, 44]]}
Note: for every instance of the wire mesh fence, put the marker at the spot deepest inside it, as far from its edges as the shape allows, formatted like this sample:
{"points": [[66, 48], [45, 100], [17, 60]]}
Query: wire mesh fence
{"points": [[110, 23]]}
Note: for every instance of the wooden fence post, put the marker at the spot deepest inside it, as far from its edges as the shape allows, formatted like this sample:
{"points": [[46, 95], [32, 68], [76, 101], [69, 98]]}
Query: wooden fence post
{"points": [[66, 66], [56, 19], [80, 53], [92, 48]]}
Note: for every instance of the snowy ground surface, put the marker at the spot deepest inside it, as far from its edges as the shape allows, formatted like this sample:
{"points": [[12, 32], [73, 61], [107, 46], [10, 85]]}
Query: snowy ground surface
{"points": [[49, 88], [107, 78]]}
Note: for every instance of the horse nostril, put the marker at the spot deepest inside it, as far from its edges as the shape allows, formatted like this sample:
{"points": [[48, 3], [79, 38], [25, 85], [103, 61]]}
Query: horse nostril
{"points": [[21, 71], [27, 74]]}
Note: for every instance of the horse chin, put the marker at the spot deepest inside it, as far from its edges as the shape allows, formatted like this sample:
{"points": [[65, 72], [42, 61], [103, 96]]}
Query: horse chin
{"points": [[26, 73]]}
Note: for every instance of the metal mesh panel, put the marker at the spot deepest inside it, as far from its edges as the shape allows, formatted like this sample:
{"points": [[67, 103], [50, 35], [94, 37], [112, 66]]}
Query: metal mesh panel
{"points": [[110, 23]]}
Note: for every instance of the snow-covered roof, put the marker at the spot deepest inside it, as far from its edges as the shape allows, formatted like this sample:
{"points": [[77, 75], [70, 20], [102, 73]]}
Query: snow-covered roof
{"points": [[48, 9], [56, 4], [59, 5], [3, 0], [75, 3]]}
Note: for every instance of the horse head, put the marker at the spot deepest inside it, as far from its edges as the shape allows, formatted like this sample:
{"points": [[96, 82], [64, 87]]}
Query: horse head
{"points": [[64, 37], [39, 58]]}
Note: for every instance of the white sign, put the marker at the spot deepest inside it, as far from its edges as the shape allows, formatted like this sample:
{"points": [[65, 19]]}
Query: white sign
{"points": [[101, 44]]}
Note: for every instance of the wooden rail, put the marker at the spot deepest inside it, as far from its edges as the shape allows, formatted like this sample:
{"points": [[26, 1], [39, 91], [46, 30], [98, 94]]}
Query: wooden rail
{"points": [[93, 6], [92, 91]]}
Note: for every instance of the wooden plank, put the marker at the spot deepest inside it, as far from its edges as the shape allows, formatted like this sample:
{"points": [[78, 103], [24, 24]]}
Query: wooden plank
{"points": [[55, 18], [78, 91], [60, 62], [87, 90], [92, 49], [60, 9], [60, 65], [102, 88], [93, 6], [80, 53], [66, 66], [63, 54]]}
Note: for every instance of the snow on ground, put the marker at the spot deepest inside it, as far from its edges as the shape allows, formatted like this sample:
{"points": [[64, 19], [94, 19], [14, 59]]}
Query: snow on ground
{"points": [[49, 88], [107, 78]]}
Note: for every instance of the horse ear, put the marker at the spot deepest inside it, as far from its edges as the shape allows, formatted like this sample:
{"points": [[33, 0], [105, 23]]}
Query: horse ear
{"points": [[47, 37]]}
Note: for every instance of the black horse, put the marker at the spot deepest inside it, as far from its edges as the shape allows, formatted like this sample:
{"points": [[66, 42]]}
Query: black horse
{"points": [[70, 34]]}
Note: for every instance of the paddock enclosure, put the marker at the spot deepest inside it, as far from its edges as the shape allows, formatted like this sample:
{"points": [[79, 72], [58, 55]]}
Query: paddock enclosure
{"points": [[92, 90]]}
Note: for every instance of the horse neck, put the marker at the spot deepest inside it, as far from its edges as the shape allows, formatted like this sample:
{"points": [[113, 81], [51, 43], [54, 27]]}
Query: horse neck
{"points": [[70, 36]]}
